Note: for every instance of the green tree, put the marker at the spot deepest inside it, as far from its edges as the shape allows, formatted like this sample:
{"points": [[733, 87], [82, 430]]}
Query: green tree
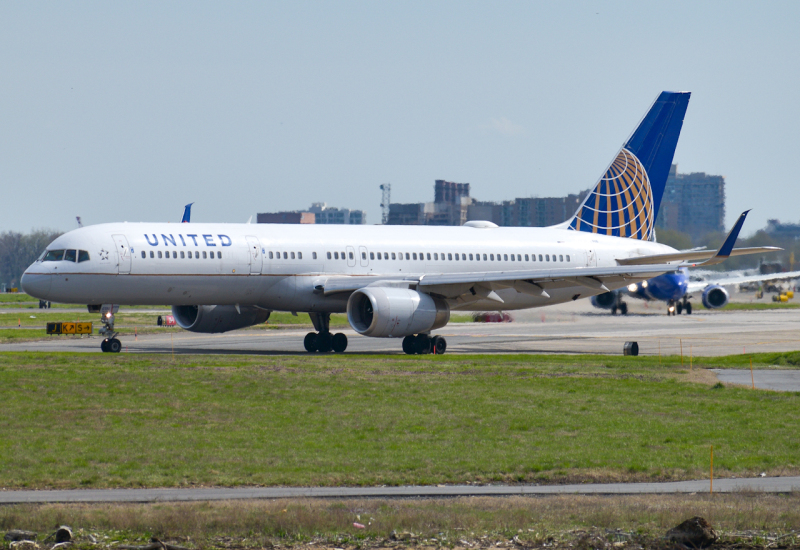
{"points": [[18, 251]]}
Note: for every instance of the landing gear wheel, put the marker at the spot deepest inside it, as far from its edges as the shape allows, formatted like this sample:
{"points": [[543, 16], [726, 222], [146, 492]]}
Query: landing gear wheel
{"points": [[679, 308], [339, 342], [324, 342], [422, 344], [114, 345], [104, 346], [688, 307], [614, 310], [310, 342], [623, 308], [438, 345], [408, 345]]}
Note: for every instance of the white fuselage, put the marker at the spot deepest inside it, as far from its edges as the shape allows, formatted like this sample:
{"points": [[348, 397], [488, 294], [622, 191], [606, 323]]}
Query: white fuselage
{"points": [[277, 267]]}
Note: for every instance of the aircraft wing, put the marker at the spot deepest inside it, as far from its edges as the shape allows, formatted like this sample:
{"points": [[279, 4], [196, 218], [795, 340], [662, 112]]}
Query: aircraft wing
{"points": [[482, 284], [696, 286], [692, 256]]}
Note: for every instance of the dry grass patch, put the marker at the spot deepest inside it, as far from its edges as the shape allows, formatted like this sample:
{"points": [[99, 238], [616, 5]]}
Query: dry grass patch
{"points": [[555, 521]]}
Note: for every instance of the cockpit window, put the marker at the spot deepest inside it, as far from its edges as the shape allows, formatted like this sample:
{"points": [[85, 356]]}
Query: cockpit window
{"points": [[70, 255], [83, 256], [53, 256]]}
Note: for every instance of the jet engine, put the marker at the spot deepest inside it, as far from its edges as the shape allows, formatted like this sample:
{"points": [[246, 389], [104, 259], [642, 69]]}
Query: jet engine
{"points": [[714, 297], [606, 300], [386, 312], [217, 318]]}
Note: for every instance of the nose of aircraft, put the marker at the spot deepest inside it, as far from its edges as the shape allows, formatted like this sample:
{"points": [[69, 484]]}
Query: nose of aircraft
{"points": [[36, 284]]}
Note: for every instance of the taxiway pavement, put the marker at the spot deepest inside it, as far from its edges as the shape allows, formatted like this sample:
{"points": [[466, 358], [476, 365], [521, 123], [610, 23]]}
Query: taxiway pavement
{"points": [[567, 328]]}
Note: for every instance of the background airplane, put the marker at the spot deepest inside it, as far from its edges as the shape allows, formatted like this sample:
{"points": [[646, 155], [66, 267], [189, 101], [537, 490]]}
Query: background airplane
{"points": [[676, 290]]}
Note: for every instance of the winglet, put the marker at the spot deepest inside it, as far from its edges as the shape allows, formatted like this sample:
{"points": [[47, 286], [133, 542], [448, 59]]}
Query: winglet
{"points": [[725, 250], [187, 213]]}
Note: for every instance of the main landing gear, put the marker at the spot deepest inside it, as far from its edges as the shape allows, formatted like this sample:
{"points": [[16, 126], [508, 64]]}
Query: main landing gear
{"points": [[110, 344], [322, 340], [423, 344]]}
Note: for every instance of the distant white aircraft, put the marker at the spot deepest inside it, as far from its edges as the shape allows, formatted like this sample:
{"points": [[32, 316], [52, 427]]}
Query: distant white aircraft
{"points": [[392, 281]]}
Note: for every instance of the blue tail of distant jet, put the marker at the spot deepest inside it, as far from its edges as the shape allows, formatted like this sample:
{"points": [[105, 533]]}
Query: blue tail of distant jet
{"points": [[187, 213], [625, 201]]}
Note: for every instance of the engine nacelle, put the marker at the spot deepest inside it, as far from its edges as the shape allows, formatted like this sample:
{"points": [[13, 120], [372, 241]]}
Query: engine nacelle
{"points": [[606, 300], [715, 297], [386, 312], [211, 319]]}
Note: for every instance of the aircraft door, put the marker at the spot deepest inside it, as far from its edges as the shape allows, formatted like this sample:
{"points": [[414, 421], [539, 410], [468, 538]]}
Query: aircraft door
{"points": [[351, 256], [123, 254], [255, 257], [362, 251], [591, 258]]}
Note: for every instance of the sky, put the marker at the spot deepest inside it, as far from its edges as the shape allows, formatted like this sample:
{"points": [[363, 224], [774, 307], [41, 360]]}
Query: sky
{"points": [[126, 111]]}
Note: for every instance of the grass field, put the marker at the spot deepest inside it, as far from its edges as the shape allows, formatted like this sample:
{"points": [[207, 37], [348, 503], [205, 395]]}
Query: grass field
{"points": [[76, 420], [754, 306], [582, 522]]}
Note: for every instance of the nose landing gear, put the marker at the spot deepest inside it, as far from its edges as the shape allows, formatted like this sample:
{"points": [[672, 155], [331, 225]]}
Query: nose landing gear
{"points": [[110, 344]]}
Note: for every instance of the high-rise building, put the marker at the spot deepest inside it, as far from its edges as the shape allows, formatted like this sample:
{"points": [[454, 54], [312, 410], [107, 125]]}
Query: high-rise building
{"points": [[693, 203], [328, 215], [318, 213]]}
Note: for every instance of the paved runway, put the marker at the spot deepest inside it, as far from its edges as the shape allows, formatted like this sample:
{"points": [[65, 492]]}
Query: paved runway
{"points": [[568, 328], [766, 484]]}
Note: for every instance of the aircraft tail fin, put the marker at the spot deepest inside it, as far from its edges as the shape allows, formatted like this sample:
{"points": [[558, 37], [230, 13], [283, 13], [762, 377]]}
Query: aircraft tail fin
{"points": [[187, 213], [625, 201]]}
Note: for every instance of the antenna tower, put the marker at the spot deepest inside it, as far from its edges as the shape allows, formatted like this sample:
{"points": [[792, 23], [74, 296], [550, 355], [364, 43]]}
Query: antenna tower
{"points": [[386, 198]]}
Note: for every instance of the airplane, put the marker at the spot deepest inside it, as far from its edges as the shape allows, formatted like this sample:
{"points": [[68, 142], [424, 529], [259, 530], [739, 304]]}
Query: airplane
{"points": [[393, 282], [677, 288]]}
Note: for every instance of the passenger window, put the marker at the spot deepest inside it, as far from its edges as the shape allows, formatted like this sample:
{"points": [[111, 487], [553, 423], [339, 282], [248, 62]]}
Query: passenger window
{"points": [[151, 254], [197, 255], [329, 255], [526, 257], [540, 257], [175, 254], [270, 255], [285, 255], [205, 257], [547, 257], [144, 254], [450, 256], [505, 257], [313, 255], [53, 256], [484, 257], [159, 254], [435, 256], [70, 255], [371, 255], [560, 258], [456, 256], [363, 255], [393, 256], [182, 255], [429, 255], [292, 255], [299, 255], [491, 257], [567, 257], [512, 257], [519, 257], [470, 257], [350, 255], [335, 255]]}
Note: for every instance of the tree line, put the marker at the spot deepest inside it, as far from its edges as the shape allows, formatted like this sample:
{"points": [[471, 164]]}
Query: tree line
{"points": [[18, 251]]}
